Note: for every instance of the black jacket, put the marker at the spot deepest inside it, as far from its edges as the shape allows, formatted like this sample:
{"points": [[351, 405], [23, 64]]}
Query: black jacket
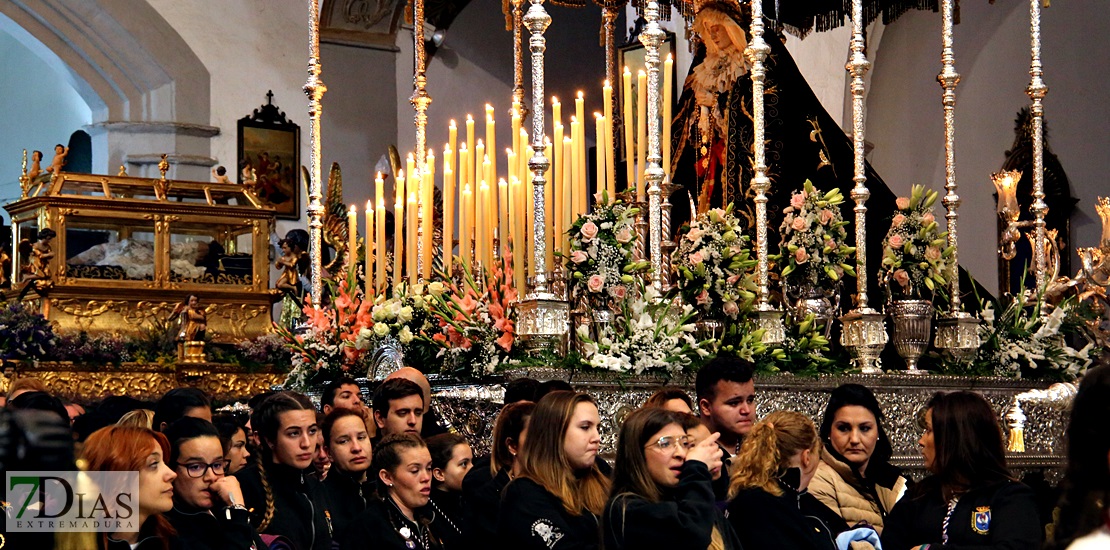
{"points": [[720, 485], [346, 498], [300, 505], [999, 516], [793, 520], [218, 529], [448, 524], [531, 518], [482, 493], [382, 526], [683, 520]]}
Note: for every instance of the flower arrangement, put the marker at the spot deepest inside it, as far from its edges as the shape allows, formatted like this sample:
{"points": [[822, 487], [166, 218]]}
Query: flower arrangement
{"points": [[476, 333], [812, 249], [337, 336], [600, 261], [650, 335], [24, 333], [1017, 341], [915, 261], [713, 263]]}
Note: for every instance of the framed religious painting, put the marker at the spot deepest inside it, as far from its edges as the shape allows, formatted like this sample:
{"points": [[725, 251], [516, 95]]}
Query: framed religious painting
{"points": [[633, 56], [269, 158]]}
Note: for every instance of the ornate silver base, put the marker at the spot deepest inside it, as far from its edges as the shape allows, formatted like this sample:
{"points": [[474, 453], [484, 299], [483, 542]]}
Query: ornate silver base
{"points": [[913, 324], [864, 336], [770, 320], [543, 324], [958, 335]]}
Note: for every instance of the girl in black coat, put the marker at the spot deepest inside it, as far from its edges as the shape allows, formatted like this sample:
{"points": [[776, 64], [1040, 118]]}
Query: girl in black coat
{"points": [[662, 493], [770, 507], [971, 501], [398, 519], [348, 486], [282, 499], [484, 483], [452, 458]]}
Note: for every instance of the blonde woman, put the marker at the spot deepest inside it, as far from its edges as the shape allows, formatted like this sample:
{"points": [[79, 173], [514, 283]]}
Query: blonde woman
{"points": [[560, 493], [140, 418], [770, 507]]}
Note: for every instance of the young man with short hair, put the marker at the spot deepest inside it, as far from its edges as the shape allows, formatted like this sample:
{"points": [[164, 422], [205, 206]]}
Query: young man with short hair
{"points": [[726, 400], [398, 407], [341, 393]]}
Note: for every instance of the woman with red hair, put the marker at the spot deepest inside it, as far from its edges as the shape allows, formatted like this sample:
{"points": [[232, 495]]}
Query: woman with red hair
{"points": [[130, 448]]}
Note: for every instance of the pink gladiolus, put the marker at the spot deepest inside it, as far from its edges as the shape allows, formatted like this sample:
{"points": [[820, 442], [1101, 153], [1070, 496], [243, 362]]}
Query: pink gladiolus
{"points": [[505, 341]]}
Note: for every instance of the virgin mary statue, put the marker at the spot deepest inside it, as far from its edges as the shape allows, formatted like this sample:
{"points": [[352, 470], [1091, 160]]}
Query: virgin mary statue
{"points": [[713, 130]]}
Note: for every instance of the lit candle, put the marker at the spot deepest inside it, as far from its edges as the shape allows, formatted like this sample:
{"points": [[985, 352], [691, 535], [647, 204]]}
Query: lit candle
{"points": [[352, 240], [484, 244], [513, 220], [1006, 185], [398, 228], [629, 131], [379, 233], [641, 134], [668, 78], [516, 211], [491, 139], [583, 179], [410, 166], [518, 147], [448, 209], [368, 259], [556, 113], [577, 187], [606, 146], [427, 215], [599, 164], [471, 175], [491, 209], [559, 201], [567, 212], [465, 220], [504, 213], [511, 163], [549, 210], [412, 207], [452, 143]]}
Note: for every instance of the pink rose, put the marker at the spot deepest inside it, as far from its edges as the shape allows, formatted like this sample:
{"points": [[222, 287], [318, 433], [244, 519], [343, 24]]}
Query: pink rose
{"points": [[731, 309], [798, 200], [902, 203], [624, 236], [696, 258], [901, 277], [694, 234], [801, 256], [589, 231], [578, 256], [927, 219], [898, 220], [826, 216], [703, 298], [618, 291], [799, 224], [896, 241], [932, 253], [595, 283]]}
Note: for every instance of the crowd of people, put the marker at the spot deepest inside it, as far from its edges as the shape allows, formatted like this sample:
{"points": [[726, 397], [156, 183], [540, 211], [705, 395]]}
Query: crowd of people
{"points": [[704, 473]]}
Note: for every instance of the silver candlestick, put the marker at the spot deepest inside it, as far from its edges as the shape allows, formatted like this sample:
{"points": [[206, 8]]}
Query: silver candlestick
{"points": [[314, 88], [652, 37], [1037, 90]]}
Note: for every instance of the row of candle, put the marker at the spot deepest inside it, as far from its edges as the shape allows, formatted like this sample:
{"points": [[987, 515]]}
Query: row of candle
{"points": [[492, 206]]}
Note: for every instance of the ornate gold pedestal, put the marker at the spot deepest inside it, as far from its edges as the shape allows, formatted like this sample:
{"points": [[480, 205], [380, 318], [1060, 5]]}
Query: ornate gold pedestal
{"points": [[191, 352]]}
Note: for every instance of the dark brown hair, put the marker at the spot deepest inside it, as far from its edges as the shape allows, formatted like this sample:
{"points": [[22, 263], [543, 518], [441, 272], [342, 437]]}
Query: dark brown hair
{"points": [[967, 439]]}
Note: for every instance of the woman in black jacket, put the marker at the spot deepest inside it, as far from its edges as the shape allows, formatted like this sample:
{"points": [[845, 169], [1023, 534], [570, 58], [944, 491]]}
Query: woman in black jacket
{"points": [[770, 507], [282, 498], [555, 502], [452, 458], [398, 519], [208, 510], [970, 501], [483, 484], [347, 486], [662, 494]]}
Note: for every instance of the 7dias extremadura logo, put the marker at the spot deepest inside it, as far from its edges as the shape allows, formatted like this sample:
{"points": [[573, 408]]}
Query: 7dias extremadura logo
{"points": [[72, 501]]}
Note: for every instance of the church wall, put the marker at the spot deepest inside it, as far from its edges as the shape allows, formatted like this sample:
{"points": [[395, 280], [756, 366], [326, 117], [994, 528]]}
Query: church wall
{"points": [[905, 116], [40, 109]]}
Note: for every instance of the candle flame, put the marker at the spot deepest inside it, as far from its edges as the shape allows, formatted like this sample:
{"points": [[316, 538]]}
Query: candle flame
{"points": [[452, 124], [606, 84], [669, 58], [581, 94], [502, 183], [627, 71], [479, 143], [369, 207], [641, 73], [469, 117], [412, 196], [466, 188], [554, 100], [599, 116], [379, 176], [353, 209]]}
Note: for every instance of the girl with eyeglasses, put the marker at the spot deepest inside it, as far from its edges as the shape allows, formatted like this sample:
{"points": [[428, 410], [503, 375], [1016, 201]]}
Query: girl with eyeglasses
{"points": [[208, 506], [662, 494], [560, 492], [398, 519], [283, 499], [348, 486], [770, 506], [452, 458]]}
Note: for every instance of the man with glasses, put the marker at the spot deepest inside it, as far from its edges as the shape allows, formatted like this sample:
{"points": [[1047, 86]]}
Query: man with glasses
{"points": [[208, 510]]}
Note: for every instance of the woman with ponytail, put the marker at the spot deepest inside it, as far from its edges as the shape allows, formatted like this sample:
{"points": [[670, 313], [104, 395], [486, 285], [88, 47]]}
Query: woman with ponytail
{"points": [[662, 494], [484, 483], [399, 518], [555, 502], [770, 507], [283, 500]]}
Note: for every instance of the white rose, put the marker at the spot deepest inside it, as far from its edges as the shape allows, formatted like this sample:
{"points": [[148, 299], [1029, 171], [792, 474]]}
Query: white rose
{"points": [[437, 289], [418, 289], [405, 335], [404, 315], [418, 301], [381, 329]]}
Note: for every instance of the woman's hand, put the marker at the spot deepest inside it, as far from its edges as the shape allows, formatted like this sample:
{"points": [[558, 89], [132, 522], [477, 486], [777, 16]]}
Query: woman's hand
{"points": [[227, 488], [707, 452]]}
